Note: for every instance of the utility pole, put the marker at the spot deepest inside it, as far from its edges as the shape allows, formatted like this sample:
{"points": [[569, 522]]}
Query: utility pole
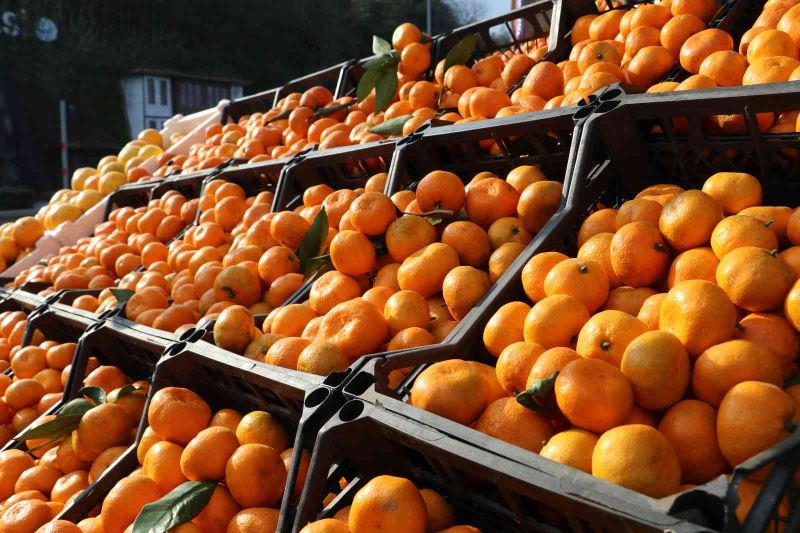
{"points": [[429, 12], [62, 112]]}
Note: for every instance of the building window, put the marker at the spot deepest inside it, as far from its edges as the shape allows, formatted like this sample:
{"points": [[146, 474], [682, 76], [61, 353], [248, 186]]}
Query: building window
{"points": [[151, 91], [163, 86], [151, 123]]}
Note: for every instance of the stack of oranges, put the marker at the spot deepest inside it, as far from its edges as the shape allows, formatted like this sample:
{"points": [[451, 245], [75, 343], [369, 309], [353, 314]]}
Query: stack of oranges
{"points": [[390, 503], [445, 244], [39, 373], [248, 456], [654, 359], [38, 484]]}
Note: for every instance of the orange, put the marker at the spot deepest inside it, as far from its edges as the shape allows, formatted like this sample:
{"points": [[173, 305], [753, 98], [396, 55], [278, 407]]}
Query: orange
{"points": [[691, 427], [703, 9], [205, 456], [507, 420], [593, 394], [255, 475], [415, 59], [59, 526], [514, 365], [405, 309], [657, 366], [356, 327], [605, 26], [507, 229], [726, 68], [721, 367], [699, 313], [291, 320], [585, 280], [331, 289], [580, 29], [607, 334], [172, 404], [485, 102], [288, 228], [754, 278], [555, 321], [233, 329], [602, 221], [689, 219], [505, 327], [739, 231], [678, 29], [572, 447], [388, 503], [773, 332], [639, 458], [777, 218], [286, 351], [459, 78], [371, 213], [697, 263], [424, 271], [253, 520], [535, 272], [653, 15], [276, 262], [639, 254], [352, 253], [470, 242], [638, 209], [408, 234], [650, 64], [125, 500], [162, 465], [440, 514], [489, 200], [770, 70], [598, 52], [544, 80], [260, 427], [771, 43], [455, 389], [734, 191], [702, 44], [640, 37], [219, 511], [753, 417], [628, 299], [462, 288], [26, 516], [322, 358], [537, 203], [514, 69]]}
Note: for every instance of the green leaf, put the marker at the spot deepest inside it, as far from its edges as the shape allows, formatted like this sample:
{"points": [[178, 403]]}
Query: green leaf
{"points": [[325, 111], [378, 62], [380, 46], [122, 295], [534, 397], [55, 429], [462, 51], [77, 406], [96, 394], [385, 89], [127, 390], [318, 263], [392, 126], [281, 116], [314, 239], [179, 506], [368, 82]]}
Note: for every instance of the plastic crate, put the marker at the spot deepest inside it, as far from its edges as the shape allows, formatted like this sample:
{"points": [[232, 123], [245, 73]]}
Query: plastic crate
{"points": [[490, 490], [348, 167], [619, 154], [224, 381], [249, 104]]}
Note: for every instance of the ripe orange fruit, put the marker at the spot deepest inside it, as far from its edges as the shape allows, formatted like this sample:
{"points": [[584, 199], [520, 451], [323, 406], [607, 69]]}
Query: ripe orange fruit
{"points": [[254, 519], [357, 327], [505, 327], [606, 25], [584, 280], [489, 200], [255, 475], [388, 503], [177, 414], [219, 511], [639, 254], [774, 333], [602, 221], [770, 70], [721, 367], [598, 52], [702, 44], [593, 394], [734, 191], [627, 299], [691, 427], [555, 321], [637, 457], [607, 334], [657, 366], [507, 420], [688, 220], [352, 253], [514, 365], [650, 64], [754, 278], [372, 212], [697, 263], [752, 417], [679, 28], [424, 270], [739, 231], [537, 203], [544, 80], [699, 313], [286, 351], [124, 502], [470, 242], [771, 43], [462, 288], [572, 447]]}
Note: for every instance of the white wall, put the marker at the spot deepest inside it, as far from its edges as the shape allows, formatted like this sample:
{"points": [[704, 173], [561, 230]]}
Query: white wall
{"points": [[133, 91]]}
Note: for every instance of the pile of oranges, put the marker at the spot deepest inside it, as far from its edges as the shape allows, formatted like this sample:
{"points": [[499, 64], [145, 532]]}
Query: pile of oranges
{"points": [[248, 456], [390, 503], [441, 248], [39, 373], [38, 483], [654, 359]]}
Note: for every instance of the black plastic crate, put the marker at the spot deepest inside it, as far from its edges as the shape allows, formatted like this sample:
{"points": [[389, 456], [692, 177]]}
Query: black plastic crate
{"points": [[348, 167], [627, 145], [252, 103], [492, 490], [224, 381]]}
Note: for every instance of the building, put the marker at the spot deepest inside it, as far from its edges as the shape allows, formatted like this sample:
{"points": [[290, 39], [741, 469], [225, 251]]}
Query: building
{"points": [[152, 96]]}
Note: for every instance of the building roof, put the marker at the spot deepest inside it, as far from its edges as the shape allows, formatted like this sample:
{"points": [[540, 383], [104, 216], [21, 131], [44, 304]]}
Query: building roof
{"points": [[144, 71]]}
